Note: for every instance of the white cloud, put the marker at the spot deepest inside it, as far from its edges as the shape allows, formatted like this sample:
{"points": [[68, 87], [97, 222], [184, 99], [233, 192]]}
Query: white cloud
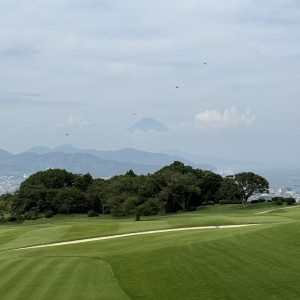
{"points": [[74, 121], [230, 118]]}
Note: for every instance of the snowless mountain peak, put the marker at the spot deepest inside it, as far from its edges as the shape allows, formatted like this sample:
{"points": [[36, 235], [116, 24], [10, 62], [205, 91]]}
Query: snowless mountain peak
{"points": [[148, 124]]}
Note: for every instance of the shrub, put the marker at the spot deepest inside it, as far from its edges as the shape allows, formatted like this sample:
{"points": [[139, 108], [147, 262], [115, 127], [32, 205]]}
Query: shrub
{"points": [[224, 202], [49, 213], [290, 200], [96, 214], [254, 201], [235, 201], [27, 216], [211, 202], [191, 208], [261, 200], [204, 203], [12, 219], [274, 199], [279, 202], [30, 215], [91, 213]]}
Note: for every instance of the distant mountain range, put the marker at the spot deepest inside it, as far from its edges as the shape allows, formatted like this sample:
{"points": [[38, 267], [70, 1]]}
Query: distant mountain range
{"points": [[103, 164], [97, 163]]}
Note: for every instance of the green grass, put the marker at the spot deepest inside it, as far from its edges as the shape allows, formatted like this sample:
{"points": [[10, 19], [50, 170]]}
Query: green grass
{"points": [[256, 262]]}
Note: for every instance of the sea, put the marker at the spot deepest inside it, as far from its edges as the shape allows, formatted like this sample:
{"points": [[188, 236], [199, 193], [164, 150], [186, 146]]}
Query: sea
{"points": [[281, 178], [278, 178]]}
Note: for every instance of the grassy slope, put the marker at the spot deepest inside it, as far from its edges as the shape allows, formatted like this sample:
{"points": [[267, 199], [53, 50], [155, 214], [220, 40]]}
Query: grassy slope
{"points": [[250, 263], [62, 228]]}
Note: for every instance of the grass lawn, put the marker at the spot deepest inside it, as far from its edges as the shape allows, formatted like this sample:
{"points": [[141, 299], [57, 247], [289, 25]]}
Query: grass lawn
{"points": [[256, 262]]}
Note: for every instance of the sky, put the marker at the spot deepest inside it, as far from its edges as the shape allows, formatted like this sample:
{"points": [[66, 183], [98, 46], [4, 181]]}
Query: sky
{"points": [[93, 68]]}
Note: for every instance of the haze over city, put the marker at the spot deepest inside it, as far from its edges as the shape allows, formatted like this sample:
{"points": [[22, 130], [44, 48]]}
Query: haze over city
{"points": [[223, 77]]}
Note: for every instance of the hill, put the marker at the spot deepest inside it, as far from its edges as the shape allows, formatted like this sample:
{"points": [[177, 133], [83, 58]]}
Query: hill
{"points": [[80, 163], [127, 155]]}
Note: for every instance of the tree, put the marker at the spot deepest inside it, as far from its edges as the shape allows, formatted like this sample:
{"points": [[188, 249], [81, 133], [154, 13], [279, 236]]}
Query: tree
{"points": [[229, 190], [97, 195], [70, 200], [83, 181], [210, 184], [249, 183], [181, 188]]}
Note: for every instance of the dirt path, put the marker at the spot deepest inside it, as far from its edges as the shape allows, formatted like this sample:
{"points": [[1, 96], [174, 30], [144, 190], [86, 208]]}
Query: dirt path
{"points": [[130, 234], [266, 211]]}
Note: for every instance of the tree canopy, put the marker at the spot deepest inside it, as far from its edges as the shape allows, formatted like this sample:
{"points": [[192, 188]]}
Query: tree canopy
{"points": [[172, 188], [248, 184]]}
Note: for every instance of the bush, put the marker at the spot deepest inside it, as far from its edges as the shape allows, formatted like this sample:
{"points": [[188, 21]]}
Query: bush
{"points": [[278, 202], [261, 200], [274, 199], [224, 202], [191, 208], [204, 203], [30, 215], [27, 216], [254, 201], [235, 201], [12, 219], [49, 213], [211, 202], [96, 214], [290, 200], [91, 213]]}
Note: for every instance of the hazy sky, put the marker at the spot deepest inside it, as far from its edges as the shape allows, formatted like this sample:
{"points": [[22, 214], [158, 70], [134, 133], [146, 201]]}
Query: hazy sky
{"points": [[92, 68]]}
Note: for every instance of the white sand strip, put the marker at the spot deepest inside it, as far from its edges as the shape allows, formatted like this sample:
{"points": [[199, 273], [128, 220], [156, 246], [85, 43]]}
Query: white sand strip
{"points": [[131, 234], [266, 211]]}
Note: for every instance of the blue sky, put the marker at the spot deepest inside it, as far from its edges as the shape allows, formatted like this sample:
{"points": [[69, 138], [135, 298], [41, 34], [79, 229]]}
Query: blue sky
{"points": [[94, 68]]}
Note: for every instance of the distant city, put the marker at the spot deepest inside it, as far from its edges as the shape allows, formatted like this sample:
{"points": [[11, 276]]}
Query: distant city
{"points": [[280, 192], [273, 191], [9, 184]]}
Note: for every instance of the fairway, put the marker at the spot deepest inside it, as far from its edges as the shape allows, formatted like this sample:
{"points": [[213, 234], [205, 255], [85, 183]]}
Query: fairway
{"points": [[129, 234], [250, 262]]}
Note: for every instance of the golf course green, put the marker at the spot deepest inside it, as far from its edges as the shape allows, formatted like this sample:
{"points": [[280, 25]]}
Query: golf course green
{"points": [[249, 262]]}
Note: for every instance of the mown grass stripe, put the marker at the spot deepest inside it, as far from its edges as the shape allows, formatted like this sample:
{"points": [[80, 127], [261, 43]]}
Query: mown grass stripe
{"points": [[37, 282], [59, 285], [15, 276]]}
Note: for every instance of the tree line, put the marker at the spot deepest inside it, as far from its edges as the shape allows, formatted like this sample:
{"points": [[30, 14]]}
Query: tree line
{"points": [[170, 189]]}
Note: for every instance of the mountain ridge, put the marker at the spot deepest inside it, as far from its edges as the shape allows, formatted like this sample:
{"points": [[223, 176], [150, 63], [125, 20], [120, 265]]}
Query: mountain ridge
{"points": [[128, 155]]}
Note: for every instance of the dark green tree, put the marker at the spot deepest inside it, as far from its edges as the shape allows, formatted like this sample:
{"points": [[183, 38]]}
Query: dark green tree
{"points": [[248, 184], [181, 188], [210, 184], [97, 195], [229, 190], [83, 181], [70, 200]]}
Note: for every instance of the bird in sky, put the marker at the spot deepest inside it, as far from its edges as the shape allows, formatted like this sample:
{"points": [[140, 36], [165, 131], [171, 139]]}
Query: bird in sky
{"points": [[205, 64], [67, 134], [177, 87]]}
